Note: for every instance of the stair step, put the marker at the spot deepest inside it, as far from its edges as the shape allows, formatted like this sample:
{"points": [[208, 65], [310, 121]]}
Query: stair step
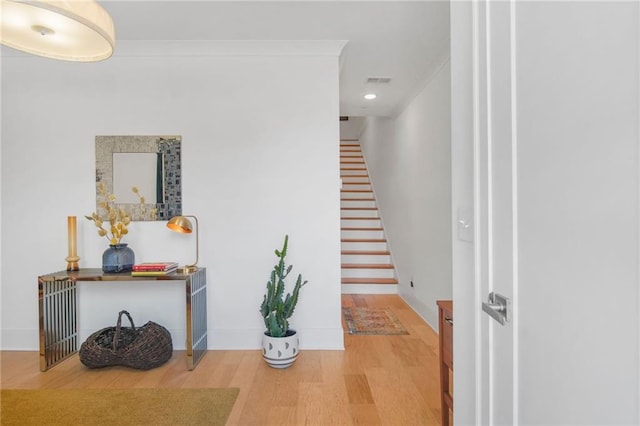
{"points": [[366, 252], [361, 257], [358, 208], [351, 168], [367, 266], [358, 205], [357, 199], [355, 196], [363, 240], [349, 187], [360, 229], [353, 187], [379, 246], [369, 281], [356, 190], [360, 218]]}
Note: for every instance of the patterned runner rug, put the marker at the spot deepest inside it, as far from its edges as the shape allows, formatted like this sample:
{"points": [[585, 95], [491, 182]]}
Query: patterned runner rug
{"points": [[361, 320]]}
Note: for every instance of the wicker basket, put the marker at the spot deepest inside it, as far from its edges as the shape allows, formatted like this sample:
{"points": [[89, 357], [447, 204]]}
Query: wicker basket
{"points": [[143, 348]]}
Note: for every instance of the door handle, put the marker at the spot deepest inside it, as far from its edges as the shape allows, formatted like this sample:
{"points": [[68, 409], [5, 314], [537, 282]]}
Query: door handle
{"points": [[498, 307]]}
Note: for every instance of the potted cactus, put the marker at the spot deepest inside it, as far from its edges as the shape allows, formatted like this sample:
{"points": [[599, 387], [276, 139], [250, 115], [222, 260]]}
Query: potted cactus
{"points": [[279, 342]]}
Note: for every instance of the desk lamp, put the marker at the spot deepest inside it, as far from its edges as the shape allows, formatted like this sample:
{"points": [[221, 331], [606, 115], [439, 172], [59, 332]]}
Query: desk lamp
{"points": [[183, 225]]}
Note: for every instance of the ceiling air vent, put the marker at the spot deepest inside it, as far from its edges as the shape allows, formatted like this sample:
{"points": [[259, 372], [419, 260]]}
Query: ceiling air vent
{"points": [[378, 80]]}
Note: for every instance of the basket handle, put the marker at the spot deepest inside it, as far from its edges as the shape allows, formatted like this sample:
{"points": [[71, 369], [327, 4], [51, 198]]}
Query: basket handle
{"points": [[116, 336]]}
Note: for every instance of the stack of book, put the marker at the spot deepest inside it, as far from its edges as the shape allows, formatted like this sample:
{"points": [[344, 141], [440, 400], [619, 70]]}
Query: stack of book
{"points": [[153, 269]]}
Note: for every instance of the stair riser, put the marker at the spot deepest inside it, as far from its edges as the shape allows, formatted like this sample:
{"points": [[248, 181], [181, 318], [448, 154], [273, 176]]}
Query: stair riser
{"points": [[350, 154], [360, 223], [353, 179], [354, 173], [359, 213], [365, 246], [357, 203], [347, 195], [369, 289], [361, 235], [368, 273], [366, 258], [349, 186], [359, 167]]}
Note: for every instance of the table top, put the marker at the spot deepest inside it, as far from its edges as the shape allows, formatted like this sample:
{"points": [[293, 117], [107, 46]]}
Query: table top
{"points": [[96, 274]]}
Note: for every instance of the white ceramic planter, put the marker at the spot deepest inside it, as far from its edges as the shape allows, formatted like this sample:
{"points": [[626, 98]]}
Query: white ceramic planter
{"points": [[280, 352]]}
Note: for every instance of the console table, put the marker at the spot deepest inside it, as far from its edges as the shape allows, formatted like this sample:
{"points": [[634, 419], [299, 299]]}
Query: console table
{"points": [[58, 311]]}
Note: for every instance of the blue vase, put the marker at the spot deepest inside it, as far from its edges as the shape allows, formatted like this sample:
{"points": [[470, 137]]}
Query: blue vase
{"points": [[118, 258]]}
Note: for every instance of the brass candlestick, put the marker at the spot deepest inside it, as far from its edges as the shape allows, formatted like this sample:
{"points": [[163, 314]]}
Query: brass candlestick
{"points": [[72, 259]]}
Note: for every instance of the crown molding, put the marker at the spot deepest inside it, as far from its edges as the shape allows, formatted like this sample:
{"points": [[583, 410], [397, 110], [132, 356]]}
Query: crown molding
{"points": [[229, 48]]}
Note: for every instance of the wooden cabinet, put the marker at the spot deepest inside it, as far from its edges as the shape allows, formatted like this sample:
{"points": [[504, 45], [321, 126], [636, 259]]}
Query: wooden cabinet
{"points": [[445, 329]]}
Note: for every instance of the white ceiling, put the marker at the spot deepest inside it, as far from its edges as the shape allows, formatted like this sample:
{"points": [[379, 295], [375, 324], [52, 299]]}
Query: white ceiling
{"points": [[406, 41]]}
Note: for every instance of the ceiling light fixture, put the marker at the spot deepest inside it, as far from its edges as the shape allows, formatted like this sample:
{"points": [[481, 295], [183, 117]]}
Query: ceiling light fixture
{"points": [[370, 96], [72, 30]]}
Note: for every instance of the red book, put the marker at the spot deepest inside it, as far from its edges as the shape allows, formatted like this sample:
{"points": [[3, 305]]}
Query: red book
{"points": [[155, 266]]}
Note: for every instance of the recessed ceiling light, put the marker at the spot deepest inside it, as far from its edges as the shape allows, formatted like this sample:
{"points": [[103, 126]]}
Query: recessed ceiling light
{"points": [[370, 96]]}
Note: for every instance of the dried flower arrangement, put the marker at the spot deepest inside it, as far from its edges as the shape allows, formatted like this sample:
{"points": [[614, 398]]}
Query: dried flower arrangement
{"points": [[117, 218]]}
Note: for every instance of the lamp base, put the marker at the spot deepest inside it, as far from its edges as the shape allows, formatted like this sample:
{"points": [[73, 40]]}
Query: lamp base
{"points": [[72, 263], [187, 269]]}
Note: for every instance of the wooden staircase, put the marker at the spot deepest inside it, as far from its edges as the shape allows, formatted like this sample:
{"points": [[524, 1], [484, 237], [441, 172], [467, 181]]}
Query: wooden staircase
{"points": [[367, 266]]}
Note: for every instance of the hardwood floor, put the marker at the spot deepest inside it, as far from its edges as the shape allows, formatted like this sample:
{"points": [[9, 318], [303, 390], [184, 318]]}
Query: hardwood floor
{"points": [[377, 380]]}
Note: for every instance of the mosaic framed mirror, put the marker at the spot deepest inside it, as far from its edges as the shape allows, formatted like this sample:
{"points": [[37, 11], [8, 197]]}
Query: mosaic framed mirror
{"points": [[151, 165]]}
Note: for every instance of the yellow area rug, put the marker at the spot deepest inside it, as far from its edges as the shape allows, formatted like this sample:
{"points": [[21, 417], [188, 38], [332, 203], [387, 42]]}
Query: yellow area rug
{"points": [[116, 407]]}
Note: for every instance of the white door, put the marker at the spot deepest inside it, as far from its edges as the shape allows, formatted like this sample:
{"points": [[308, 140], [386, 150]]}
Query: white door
{"points": [[495, 206], [545, 95]]}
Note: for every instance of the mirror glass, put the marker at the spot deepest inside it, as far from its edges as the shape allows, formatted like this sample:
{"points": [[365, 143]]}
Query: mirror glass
{"points": [[151, 164]]}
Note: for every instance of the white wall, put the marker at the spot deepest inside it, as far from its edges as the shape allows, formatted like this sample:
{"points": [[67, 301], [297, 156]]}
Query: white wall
{"points": [[409, 160], [260, 159], [462, 186], [352, 128]]}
